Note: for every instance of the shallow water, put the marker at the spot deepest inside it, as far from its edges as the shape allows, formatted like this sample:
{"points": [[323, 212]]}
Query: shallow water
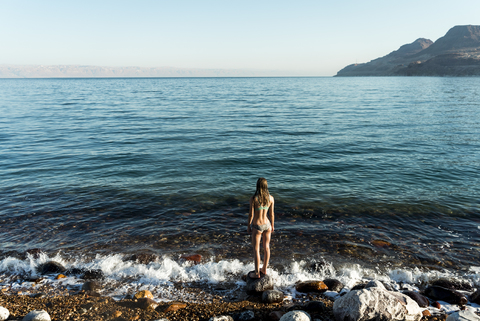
{"points": [[380, 172]]}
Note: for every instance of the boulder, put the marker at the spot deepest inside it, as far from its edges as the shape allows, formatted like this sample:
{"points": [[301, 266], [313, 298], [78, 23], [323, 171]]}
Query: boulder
{"points": [[296, 315], [4, 313], [475, 297], [451, 296], [421, 300], [244, 316], [37, 315], [333, 285], [375, 284], [311, 286], [143, 294], [465, 315], [221, 318], [376, 303], [51, 267], [264, 283], [272, 296]]}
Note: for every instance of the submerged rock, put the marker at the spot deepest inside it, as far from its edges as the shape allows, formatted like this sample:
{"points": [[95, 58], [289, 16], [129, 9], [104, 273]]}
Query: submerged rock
{"points": [[421, 300], [296, 316], [51, 267], [93, 274], [451, 296], [311, 286], [195, 258], [264, 283], [376, 303], [333, 285], [37, 315], [143, 258]]}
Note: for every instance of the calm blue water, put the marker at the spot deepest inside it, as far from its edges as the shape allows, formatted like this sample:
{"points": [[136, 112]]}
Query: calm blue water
{"points": [[168, 165]]}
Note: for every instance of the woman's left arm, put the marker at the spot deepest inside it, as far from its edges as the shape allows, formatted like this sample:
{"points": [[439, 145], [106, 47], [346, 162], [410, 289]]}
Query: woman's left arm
{"points": [[272, 214]]}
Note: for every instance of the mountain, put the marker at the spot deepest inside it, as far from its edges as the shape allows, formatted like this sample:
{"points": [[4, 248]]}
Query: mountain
{"points": [[455, 54]]}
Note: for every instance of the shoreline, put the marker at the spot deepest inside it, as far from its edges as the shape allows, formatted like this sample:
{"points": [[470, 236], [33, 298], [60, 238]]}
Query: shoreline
{"points": [[83, 306], [65, 304]]}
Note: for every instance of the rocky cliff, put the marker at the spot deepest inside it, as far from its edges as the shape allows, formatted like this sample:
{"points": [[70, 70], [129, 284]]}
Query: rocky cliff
{"points": [[455, 54]]}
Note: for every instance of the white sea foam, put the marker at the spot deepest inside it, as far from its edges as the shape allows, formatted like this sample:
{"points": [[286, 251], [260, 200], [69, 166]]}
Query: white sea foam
{"points": [[160, 276]]}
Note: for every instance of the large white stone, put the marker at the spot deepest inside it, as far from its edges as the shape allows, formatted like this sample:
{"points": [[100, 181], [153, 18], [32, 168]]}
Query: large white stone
{"points": [[4, 314], [296, 316], [37, 315], [376, 303], [466, 315]]}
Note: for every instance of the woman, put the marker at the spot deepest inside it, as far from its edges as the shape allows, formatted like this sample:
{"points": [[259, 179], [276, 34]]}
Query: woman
{"points": [[261, 204]]}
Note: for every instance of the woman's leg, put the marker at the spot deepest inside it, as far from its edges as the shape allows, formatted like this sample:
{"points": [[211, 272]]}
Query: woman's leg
{"points": [[266, 249], [256, 236]]}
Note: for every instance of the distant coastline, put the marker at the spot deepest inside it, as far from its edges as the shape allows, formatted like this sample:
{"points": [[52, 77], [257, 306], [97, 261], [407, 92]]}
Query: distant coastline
{"points": [[87, 71], [455, 54]]}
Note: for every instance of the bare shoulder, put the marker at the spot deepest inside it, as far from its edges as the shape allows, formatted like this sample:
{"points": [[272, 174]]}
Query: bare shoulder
{"points": [[272, 199]]}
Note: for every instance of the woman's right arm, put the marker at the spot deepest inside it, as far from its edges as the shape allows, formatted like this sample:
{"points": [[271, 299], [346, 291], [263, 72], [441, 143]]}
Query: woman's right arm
{"points": [[250, 216]]}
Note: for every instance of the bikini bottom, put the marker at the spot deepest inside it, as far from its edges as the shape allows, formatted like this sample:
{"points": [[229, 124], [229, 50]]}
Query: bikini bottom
{"points": [[263, 227]]}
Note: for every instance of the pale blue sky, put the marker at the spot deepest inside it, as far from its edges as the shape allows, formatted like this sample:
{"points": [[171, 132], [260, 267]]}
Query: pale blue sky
{"points": [[307, 37]]}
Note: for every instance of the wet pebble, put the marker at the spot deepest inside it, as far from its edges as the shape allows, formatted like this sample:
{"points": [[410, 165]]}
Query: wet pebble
{"points": [[311, 286], [272, 296]]}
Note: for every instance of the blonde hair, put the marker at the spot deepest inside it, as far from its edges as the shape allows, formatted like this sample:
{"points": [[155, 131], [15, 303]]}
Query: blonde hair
{"points": [[262, 195]]}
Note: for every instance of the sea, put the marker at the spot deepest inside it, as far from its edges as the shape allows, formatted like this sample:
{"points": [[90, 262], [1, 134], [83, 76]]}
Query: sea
{"points": [[373, 178]]}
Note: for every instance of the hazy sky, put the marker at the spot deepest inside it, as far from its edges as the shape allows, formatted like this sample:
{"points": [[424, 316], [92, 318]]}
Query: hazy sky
{"points": [[309, 37]]}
